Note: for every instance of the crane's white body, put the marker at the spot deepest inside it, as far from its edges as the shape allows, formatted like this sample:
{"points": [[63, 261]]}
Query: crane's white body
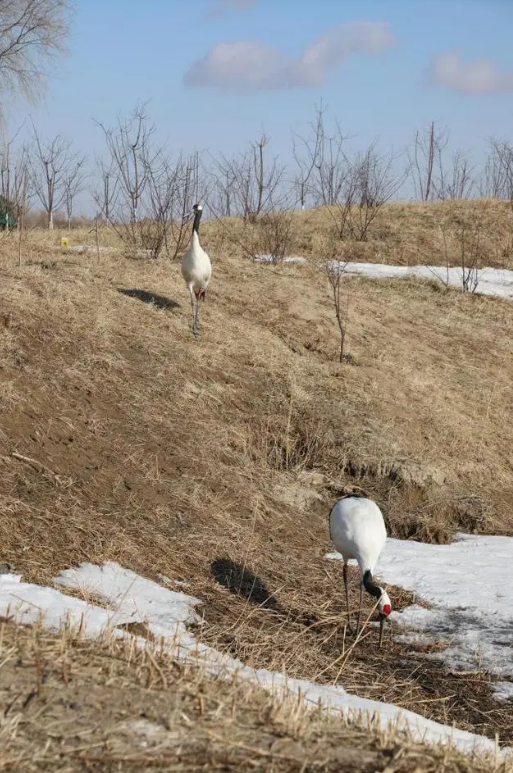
{"points": [[357, 529], [196, 267]]}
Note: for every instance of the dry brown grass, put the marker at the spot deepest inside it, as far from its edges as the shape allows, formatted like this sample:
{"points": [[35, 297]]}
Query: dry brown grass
{"points": [[167, 454], [69, 705], [402, 234]]}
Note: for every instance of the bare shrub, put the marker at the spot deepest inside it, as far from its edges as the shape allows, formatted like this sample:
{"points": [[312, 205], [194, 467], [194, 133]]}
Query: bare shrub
{"points": [[335, 271], [369, 183], [464, 234], [274, 234], [455, 181]]}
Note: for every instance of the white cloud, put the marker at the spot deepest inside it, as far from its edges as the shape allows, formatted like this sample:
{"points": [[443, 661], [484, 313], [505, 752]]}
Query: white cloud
{"points": [[242, 65], [223, 7], [481, 76], [247, 64]]}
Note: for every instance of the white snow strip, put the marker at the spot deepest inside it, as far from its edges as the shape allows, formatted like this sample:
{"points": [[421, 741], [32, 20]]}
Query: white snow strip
{"points": [[166, 613], [270, 259], [490, 281], [470, 585]]}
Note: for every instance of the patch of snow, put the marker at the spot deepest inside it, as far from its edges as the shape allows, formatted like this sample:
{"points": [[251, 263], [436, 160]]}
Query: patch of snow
{"points": [[491, 281], [89, 248], [270, 259], [28, 603], [503, 691], [335, 556], [169, 581], [470, 585], [166, 614], [143, 727]]}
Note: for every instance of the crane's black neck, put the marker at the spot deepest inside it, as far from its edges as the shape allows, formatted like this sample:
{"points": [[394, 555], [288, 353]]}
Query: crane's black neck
{"points": [[197, 218], [370, 586]]}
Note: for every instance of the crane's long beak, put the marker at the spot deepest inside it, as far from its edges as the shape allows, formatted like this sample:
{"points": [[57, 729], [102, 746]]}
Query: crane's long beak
{"points": [[382, 619]]}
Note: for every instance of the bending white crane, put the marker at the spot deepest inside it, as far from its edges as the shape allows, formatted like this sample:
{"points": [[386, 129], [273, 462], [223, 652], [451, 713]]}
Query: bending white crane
{"points": [[196, 269], [358, 531]]}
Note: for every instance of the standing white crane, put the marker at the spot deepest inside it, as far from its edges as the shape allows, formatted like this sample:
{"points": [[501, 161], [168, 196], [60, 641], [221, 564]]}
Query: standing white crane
{"points": [[196, 269], [358, 531]]}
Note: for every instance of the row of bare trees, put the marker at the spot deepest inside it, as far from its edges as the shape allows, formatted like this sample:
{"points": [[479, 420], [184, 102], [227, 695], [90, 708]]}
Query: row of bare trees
{"points": [[145, 193]]}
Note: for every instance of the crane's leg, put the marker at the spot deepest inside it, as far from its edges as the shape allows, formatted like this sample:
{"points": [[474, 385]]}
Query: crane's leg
{"points": [[194, 307], [359, 609], [344, 574], [196, 319]]}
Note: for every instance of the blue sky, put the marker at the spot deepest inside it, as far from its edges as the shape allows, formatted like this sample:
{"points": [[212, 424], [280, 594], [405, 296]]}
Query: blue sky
{"points": [[125, 51]]}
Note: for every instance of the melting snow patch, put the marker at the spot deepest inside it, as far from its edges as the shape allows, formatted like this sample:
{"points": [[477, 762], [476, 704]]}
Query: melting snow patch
{"points": [[166, 614], [504, 691], [470, 585], [271, 259], [490, 281]]}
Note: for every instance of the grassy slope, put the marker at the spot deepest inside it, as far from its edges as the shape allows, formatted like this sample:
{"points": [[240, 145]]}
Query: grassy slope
{"points": [[198, 458], [401, 234]]}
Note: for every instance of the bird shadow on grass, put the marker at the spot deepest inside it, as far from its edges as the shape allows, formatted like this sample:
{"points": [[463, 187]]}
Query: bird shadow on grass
{"points": [[160, 301], [241, 581], [238, 579]]}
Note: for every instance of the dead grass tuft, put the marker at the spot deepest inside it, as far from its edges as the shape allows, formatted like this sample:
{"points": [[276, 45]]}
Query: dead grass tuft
{"points": [[70, 705]]}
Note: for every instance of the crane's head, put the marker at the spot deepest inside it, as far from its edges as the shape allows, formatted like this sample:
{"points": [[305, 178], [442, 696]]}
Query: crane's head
{"points": [[384, 609], [190, 215], [384, 603]]}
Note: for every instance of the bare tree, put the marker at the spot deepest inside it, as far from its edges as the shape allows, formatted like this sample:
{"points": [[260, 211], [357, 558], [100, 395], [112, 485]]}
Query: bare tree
{"points": [[428, 146], [32, 33], [251, 184], [498, 172], [370, 182], [186, 190], [456, 182], [222, 199], [14, 178], [321, 161], [74, 178], [128, 145], [104, 194], [334, 271], [50, 163], [145, 195]]}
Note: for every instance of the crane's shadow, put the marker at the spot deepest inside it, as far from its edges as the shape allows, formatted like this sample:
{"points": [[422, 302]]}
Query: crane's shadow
{"points": [[239, 580], [242, 582], [160, 301]]}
